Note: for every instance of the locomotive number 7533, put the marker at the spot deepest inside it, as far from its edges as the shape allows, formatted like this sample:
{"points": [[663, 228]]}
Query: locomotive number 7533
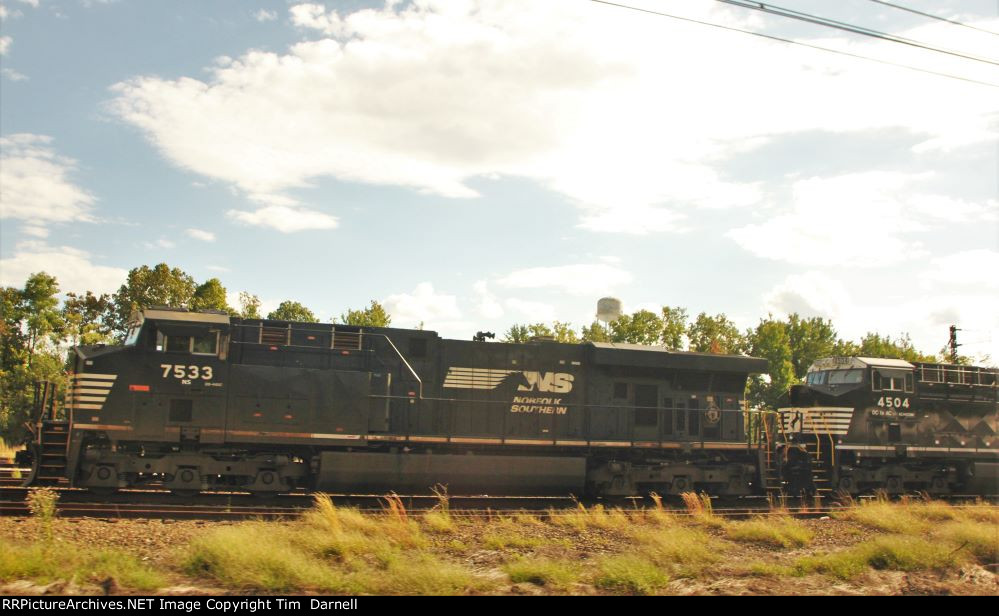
{"points": [[181, 371]]}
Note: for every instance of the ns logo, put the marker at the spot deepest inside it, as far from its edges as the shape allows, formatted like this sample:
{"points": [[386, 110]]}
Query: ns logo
{"points": [[549, 382]]}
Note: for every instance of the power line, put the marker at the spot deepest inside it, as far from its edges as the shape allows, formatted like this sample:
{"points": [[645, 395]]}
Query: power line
{"points": [[950, 21], [846, 27], [794, 42]]}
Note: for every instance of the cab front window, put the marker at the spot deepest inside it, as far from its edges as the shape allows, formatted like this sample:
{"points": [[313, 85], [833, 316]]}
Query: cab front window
{"points": [[203, 344], [846, 377]]}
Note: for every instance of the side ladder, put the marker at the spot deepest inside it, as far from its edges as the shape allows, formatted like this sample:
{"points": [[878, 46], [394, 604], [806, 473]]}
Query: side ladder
{"points": [[51, 439]]}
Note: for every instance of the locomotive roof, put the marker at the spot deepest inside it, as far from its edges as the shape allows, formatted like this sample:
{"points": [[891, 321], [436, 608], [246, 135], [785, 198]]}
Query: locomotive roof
{"points": [[640, 355], [846, 363], [174, 314]]}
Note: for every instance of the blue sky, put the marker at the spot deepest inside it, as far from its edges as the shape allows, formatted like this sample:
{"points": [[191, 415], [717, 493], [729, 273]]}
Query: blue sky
{"points": [[478, 164]]}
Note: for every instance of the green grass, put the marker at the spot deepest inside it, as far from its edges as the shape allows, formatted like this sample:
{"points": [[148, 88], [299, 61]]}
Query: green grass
{"points": [[884, 515], [981, 539], [262, 556], [893, 552], [779, 531], [630, 574], [543, 572], [685, 551], [439, 522], [65, 562], [582, 518]]}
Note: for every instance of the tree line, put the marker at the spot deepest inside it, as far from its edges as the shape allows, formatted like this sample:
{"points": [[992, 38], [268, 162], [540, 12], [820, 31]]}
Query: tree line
{"points": [[36, 330]]}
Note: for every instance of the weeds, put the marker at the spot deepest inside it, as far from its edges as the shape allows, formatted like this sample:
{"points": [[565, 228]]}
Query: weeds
{"points": [[630, 574], [895, 552], [70, 563], [543, 572], [774, 530], [700, 509], [42, 504]]}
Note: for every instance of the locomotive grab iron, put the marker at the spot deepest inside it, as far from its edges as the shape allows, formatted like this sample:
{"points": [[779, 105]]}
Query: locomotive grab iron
{"points": [[200, 400]]}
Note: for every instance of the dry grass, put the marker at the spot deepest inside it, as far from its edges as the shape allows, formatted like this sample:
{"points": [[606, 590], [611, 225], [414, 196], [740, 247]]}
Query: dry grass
{"points": [[700, 509], [583, 550], [8, 451], [582, 518]]}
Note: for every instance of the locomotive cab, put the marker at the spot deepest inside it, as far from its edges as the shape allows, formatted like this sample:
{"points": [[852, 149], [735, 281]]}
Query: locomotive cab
{"points": [[888, 424]]}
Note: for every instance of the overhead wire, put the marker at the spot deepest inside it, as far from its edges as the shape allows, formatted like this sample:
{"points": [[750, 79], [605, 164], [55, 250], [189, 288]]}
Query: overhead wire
{"points": [[937, 17], [794, 42], [847, 27]]}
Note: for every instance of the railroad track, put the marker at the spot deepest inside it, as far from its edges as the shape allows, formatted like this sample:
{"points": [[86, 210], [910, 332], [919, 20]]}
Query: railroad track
{"points": [[162, 504]]}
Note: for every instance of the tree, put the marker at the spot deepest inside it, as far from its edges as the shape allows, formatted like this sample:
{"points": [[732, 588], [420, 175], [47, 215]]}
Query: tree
{"points": [[596, 332], [564, 333], [517, 333], [770, 340], [674, 322], [372, 316], [715, 334], [86, 318], [210, 295], [642, 327], [249, 305], [810, 339], [875, 345], [43, 320], [31, 324], [145, 287], [292, 311]]}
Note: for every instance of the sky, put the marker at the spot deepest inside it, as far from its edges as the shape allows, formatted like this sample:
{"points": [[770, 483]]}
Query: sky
{"points": [[475, 164]]}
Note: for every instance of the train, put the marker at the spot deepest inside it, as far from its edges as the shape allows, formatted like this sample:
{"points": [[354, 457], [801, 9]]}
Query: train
{"points": [[865, 424], [204, 401]]}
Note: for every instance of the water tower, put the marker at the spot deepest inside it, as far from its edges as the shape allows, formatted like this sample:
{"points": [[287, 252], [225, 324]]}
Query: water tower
{"points": [[608, 309]]}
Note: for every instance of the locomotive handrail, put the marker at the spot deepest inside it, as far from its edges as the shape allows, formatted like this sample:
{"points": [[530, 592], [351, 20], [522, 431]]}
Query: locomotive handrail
{"points": [[402, 358]]}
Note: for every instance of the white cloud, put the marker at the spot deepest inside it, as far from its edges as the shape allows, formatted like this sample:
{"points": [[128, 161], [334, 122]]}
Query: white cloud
{"points": [[5, 43], [264, 15], [315, 17], [33, 3], [13, 75], [73, 268], [35, 185], [594, 279], [859, 220], [533, 312], [199, 234], [625, 115], [424, 305], [924, 312], [160, 243], [812, 294], [487, 305], [285, 219], [969, 268], [220, 268]]}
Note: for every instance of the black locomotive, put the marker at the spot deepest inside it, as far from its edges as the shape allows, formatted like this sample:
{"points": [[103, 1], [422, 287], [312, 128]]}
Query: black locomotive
{"points": [[861, 424], [199, 400]]}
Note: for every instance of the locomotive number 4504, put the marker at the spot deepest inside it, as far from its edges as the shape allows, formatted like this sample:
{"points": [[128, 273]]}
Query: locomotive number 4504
{"points": [[180, 371], [896, 403]]}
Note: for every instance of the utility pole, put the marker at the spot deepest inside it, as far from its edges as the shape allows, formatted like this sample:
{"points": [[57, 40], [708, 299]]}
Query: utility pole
{"points": [[952, 343]]}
